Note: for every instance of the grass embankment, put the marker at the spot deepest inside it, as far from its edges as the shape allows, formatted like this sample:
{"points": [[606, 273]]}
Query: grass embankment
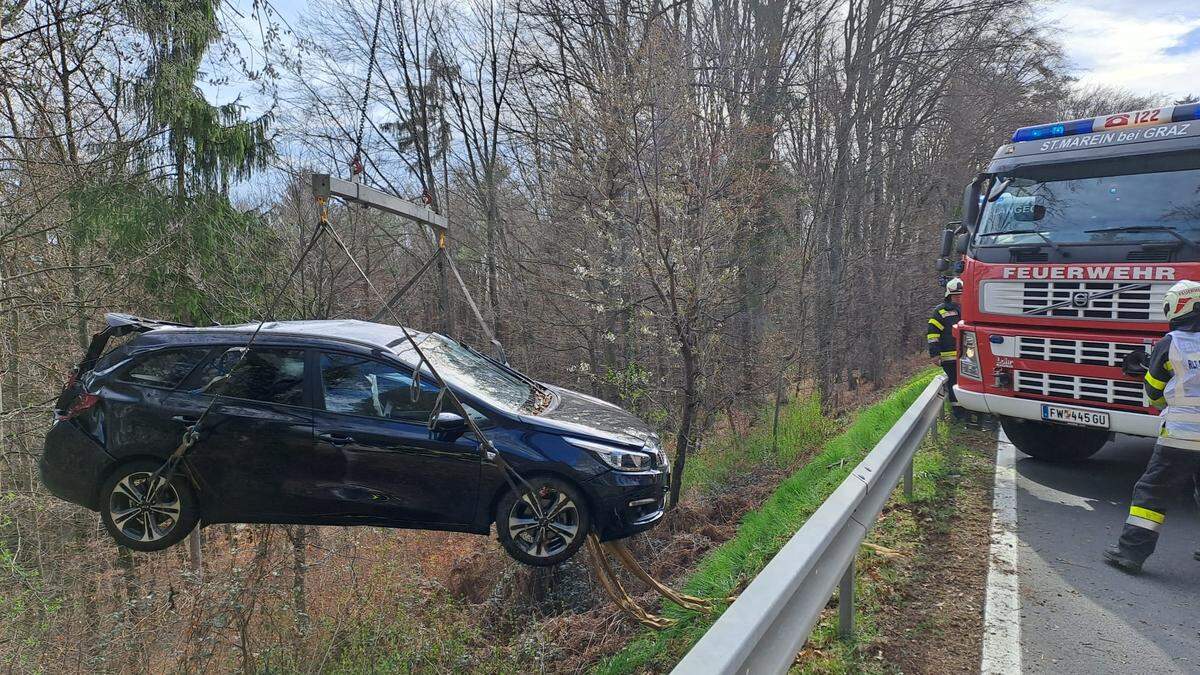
{"points": [[765, 530]]}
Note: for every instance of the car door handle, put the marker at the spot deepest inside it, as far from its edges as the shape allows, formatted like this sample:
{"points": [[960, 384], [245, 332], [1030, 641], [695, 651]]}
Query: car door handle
{"points": [[185, 419], [336, 438]]}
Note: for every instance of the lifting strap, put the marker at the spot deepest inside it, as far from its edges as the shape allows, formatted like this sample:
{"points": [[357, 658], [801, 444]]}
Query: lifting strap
{"points": [[489, 450], [166, 472]]}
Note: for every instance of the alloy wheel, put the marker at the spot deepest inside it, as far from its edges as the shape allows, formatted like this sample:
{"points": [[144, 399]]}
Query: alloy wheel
{"points": [[544, 523], [138, 517]]}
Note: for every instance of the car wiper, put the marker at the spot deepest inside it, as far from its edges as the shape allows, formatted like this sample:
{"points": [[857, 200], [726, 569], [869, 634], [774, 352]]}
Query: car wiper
{"points": [[537, 390], [1149, 228], [506, 368], [1040, 233]]}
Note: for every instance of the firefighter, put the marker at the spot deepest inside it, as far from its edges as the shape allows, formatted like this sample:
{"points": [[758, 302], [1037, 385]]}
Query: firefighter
{"points": [[1173, 384], [941, 339]]}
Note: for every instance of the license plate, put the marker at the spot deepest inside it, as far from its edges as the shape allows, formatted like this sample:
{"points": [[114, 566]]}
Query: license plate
{"points": [[1081, 417]]}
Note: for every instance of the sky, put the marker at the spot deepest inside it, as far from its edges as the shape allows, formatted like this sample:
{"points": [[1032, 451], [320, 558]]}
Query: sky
{"points": [[1147, 46]]}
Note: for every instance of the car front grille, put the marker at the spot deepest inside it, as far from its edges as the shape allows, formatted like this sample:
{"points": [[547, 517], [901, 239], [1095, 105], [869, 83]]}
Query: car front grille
{"points": [[1126, 300], [1086, 352], [1083, 388]]}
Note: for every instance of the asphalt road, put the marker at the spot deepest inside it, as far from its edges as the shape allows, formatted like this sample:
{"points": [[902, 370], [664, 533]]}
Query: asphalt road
{"points": [[1079, 615]]}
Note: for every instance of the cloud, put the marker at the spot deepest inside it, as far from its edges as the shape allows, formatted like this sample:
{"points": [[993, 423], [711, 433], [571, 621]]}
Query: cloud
{"points": [[1187, 44], [1154, 51]]}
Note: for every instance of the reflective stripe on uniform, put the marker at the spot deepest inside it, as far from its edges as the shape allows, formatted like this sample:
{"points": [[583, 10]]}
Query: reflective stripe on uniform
{"points": [[933, 337], [1168, 366], [1155, 382], [949, 354], [1143, 523], [1159, 402], [935, 322], [944, 312], [1147, 514]]}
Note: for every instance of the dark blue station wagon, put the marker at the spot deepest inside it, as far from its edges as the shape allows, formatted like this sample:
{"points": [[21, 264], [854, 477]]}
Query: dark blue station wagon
{"points": [[324, 423]]}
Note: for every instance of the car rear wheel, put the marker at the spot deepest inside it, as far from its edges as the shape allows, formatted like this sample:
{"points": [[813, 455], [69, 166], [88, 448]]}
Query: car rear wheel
{"points": [[142, 523], [1053, 442], [544, 526]]}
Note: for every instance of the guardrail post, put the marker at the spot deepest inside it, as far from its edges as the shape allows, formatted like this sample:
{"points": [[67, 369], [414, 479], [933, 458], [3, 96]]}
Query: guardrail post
{"points": [[908, 479], [846, 603]]}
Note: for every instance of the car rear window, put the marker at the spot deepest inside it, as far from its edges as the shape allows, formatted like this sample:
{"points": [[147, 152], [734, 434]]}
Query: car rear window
{"points": [[164, 368]]}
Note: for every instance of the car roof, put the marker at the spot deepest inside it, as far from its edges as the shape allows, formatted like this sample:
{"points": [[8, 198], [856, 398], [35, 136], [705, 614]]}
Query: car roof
{"points": [[365, 333]]}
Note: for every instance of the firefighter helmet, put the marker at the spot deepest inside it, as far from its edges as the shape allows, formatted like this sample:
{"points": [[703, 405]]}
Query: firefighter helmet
{"points": [[954, 286], [1182, 301]]}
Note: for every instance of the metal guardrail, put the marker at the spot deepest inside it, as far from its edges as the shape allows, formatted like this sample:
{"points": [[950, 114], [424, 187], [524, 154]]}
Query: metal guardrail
{"points": [[770, 621]]}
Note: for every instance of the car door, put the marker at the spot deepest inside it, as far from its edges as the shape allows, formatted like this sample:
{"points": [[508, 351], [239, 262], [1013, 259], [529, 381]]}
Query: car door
{"points": [[255, 458], [396, 470]]}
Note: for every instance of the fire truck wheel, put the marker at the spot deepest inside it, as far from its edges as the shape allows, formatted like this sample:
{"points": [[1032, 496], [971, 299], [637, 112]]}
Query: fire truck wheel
{"points": [[1053, 442]]}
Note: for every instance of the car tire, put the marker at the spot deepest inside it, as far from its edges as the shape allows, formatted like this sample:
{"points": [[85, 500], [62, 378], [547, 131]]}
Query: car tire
{"points": [[1053, 442], [146, 527], [552, 539]]}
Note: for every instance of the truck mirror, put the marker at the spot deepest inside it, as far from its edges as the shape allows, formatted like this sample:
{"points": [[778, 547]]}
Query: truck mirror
{"points": [[961, 242], [971, 199], [942, 264], [947, 241]]}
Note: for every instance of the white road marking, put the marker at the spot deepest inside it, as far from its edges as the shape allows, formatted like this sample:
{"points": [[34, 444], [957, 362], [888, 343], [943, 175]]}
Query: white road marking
{"points": [[1002, 609]]}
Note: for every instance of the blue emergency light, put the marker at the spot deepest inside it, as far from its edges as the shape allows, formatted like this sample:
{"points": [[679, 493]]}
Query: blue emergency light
{"points": [[1140, 118]]}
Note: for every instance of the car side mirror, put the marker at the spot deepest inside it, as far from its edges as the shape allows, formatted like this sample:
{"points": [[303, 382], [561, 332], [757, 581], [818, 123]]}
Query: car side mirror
{"points": [[942, 264], [448, 422]]}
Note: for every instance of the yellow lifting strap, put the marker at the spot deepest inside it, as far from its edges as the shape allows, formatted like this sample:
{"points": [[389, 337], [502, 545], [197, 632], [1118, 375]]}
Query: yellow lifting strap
{"points": [[603, 570]]}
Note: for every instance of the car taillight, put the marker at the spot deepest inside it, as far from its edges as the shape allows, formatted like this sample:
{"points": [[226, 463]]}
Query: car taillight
{"points": [[82, 404]]}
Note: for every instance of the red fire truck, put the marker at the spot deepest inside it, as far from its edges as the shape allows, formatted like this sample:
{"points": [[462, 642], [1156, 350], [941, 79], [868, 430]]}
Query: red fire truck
{"points": [[1069, 240]]}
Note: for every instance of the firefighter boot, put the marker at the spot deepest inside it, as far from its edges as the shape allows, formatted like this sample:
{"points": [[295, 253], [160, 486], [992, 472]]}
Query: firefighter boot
{"points": [[1121, 560]]}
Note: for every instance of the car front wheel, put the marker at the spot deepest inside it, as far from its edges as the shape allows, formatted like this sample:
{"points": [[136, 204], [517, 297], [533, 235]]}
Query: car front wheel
{"points": [[544, 526], [141, 522]]}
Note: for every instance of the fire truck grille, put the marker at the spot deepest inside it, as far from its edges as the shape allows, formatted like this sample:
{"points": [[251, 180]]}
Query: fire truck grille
{"points": [[1086, 300], [1082, 388], [1086, 352]]}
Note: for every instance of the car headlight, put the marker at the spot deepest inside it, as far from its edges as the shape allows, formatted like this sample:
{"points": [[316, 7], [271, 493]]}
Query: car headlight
{"points": [[654, 447], [968, 363], [618, 458]]}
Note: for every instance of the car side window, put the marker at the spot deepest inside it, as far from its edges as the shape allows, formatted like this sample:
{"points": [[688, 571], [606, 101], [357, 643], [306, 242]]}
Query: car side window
{"points": [[164, 368], [270, 375], [358, 385]]}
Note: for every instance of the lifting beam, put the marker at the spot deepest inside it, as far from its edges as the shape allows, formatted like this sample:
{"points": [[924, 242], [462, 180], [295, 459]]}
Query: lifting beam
{"points": [[325, 186]]}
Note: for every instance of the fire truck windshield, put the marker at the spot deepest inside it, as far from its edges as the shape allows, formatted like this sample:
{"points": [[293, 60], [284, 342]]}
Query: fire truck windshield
{"points": [[1147, 207]]}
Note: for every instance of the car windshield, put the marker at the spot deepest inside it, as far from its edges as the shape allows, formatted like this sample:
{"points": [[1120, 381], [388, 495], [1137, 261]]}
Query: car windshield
{"points": [[1155, 207], [469, 370]]}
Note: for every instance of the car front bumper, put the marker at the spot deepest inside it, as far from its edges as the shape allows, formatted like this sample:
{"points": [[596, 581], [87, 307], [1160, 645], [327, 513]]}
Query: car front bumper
{"points": [[628, 503], [1121, 421]]}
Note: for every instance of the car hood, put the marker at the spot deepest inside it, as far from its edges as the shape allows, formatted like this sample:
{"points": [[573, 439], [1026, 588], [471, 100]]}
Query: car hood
{"points": [[577, 413]]}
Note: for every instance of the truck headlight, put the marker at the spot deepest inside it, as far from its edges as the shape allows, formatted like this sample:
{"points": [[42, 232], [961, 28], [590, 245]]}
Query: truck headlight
{"points": [[617, 458], [968, 362]]}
